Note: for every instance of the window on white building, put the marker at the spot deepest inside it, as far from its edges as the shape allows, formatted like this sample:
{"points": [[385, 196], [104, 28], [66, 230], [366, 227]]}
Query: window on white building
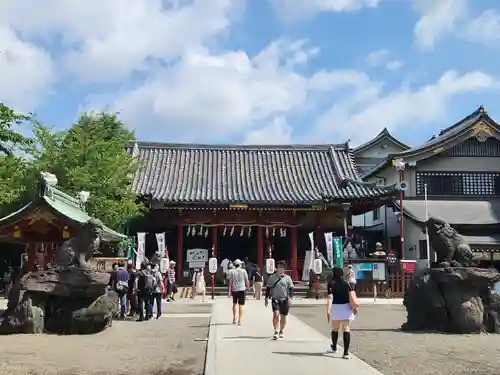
{"points": [[376, 214]]}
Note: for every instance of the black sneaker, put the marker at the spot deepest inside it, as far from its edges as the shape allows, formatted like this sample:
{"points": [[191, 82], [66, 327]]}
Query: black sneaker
{"points": [[333, 348]]}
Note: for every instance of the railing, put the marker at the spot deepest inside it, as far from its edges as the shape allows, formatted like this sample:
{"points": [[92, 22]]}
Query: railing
{"points": [[394, 287]]}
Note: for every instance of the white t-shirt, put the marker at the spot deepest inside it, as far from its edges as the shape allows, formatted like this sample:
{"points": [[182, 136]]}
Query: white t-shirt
{"points": [[224, 264]]}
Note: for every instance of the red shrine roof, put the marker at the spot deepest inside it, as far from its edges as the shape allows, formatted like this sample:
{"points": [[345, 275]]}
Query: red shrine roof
{"points": [[232, 174]]}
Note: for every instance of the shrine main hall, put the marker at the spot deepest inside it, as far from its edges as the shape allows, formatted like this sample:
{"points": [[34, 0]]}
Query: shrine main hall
{"points": [[249, 201]]}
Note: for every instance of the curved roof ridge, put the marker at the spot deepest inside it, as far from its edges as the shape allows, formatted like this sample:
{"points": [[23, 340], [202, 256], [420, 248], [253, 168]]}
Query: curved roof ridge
{"points": [[242, 147], [385, 133]]}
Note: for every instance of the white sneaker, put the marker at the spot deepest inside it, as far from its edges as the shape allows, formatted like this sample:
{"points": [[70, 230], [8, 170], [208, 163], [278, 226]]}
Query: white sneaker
{"points": [[346, 356], [281, 335], [275, 336]]}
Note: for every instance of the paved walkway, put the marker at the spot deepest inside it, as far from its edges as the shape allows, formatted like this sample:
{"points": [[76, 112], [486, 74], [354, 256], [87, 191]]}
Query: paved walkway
{"points": [[249, 350]]}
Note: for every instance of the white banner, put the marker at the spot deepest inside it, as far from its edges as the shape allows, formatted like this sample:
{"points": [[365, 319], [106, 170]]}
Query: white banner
{"points": [[329, 248], [309, 259], [160, 240], [141, 249]]}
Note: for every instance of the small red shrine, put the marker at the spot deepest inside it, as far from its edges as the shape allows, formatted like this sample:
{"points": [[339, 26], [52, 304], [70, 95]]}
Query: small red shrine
{"points": [[246, 200], [46, 222]]}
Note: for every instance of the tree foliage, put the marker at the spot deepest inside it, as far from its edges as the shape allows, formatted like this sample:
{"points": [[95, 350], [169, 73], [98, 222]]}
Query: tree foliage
{"points": [[91, 156], [12, 164]]}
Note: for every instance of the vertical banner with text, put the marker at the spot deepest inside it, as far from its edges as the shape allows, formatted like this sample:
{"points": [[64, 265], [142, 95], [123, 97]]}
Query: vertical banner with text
{"points": [[141, 249], [338, 252], [329, 248], [160, 240]]}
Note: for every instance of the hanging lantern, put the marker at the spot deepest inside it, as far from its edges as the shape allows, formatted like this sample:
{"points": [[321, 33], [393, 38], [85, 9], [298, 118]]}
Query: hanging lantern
{"points": [[224, 231], [65, 233], [241, 231], [200, 233], [249, 232], [232, 231], [206, 232], [274, 231], [17, 232]]}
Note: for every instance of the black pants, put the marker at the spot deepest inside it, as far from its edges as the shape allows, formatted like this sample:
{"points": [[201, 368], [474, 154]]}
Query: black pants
{"points": [[158, 300], [145, 306]]}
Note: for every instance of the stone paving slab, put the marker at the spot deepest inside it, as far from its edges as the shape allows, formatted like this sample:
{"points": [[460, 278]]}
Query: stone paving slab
{"points": [[249, 350]]}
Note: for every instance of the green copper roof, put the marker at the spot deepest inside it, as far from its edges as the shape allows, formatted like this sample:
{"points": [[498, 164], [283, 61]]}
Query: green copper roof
{"points": [[62, 204]]}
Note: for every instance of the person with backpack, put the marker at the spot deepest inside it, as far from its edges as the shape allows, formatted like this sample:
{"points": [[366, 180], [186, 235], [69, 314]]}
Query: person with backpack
{"points": [[119, 281], [158, 291], [146, 285]]}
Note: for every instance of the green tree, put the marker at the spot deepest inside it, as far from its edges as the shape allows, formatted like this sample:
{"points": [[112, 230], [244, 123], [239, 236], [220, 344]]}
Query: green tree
{"points": [[91, 156], [12, 165]]}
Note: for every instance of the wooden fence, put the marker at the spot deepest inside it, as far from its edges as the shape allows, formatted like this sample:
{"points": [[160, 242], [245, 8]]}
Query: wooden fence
{"points": [[394, 287]]}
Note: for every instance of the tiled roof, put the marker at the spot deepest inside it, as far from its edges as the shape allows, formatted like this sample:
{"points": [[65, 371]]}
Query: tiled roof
{"points": [[446, 138], [384, 134], [294, 174]]}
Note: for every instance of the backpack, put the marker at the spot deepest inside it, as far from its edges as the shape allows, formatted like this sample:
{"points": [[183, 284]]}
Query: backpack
{"points": [[147, 282]]}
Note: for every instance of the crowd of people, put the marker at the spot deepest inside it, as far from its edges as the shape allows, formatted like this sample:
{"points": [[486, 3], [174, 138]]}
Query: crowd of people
{"points": [[140, 290]]}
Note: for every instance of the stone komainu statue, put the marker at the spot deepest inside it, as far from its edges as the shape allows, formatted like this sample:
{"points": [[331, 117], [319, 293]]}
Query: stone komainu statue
{"points": [[157, 257], [451, 248], [79, 249]]}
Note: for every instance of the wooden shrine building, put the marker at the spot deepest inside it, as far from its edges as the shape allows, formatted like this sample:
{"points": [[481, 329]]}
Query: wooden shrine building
{"points": [[245, 201], [45, 223]]}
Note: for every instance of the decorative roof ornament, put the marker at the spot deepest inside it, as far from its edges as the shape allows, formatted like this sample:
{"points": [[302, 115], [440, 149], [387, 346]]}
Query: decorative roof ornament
{"points": [[49, 178], [83, 196]]}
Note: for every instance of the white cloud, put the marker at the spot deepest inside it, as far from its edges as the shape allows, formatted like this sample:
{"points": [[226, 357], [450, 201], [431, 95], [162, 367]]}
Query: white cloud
{"points": [[365, 111], [299, 9], [445, 18], [381, 58], [394, 64], [219, 94], [109, 40], [277, 132], [26, 71]]}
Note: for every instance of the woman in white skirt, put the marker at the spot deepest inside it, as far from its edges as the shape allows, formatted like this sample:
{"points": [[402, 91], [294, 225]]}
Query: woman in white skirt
{"points": [[341, 308]]}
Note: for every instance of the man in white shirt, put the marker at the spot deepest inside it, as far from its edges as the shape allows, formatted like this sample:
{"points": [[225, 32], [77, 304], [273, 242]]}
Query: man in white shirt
{"points": [[238, 285]]}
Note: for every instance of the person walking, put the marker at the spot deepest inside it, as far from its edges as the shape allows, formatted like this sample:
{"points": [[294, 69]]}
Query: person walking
{"points": [[132, 291], [257, 284], [280, 290], [158, 291], [119, 281], [238, 285], [200, 284], [341, 308], [171, 285], [146, 284]]}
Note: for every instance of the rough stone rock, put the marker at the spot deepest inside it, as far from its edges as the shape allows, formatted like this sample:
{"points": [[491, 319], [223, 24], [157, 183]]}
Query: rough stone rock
{"points": [[454, 300], [451, 248], [23, 317], [492, 316], [67, 281]]}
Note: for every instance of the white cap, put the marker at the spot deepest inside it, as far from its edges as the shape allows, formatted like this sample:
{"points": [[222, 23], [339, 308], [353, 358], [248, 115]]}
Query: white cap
{"points": [[172, 262], [237, 262]]}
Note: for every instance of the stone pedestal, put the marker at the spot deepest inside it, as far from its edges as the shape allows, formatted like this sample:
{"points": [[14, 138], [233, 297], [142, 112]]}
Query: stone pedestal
{"points": [[67, 300], [453, 300]]}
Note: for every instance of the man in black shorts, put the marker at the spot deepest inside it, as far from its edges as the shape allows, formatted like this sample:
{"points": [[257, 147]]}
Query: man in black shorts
{"points": [[280, 290], [238, 285]]}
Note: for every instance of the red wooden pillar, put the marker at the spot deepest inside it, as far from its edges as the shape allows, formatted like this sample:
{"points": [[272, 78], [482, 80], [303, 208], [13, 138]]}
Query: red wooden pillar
{"points": [[215, 237], [293, 260], [260, 248], [180, 238]]}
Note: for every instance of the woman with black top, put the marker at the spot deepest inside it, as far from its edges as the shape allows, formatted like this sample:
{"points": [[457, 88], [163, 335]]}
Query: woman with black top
{"points": [[341, 308]]}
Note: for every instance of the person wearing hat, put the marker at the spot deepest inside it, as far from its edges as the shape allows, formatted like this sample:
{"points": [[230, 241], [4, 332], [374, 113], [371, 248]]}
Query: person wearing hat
{"points": [[238, 285], [171, 286]]}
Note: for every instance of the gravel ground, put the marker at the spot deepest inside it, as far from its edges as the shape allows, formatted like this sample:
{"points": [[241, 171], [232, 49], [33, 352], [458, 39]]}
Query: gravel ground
{"points": [[378, 341], [168, 346]]}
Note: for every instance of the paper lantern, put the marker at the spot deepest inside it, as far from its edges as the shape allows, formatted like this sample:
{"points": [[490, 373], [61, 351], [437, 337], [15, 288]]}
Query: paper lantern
{"points": [[17, 232], [65, 233]]}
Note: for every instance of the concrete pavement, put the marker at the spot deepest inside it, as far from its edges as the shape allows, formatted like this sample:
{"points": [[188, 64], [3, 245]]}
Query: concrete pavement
{"points": [[249, 350]]}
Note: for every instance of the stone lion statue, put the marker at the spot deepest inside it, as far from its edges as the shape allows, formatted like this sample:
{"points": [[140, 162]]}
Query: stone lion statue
{"points": [[79, 249], [157, 257], [451, 248]]}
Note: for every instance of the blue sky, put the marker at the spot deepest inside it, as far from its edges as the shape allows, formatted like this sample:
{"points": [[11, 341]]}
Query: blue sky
{"points": [[254, 71]]}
